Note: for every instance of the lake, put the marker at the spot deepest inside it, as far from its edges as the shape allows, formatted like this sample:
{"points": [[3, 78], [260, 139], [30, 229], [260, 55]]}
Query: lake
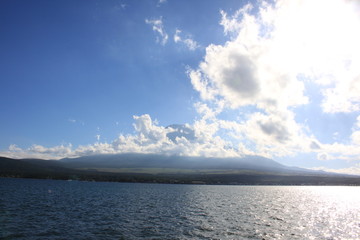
{"points": [[55, 209]]}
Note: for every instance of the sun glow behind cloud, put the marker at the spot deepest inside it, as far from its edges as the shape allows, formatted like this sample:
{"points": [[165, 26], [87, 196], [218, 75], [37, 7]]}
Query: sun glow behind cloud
{"points": [[267, 63], [261, 76]]}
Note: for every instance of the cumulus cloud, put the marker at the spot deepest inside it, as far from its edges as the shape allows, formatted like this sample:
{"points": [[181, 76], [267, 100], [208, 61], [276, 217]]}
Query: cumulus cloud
{"points": [[261, 134], [260, 75], [149, 137], [249, 69], [202, 85], [188, 41], [273, 51], [233, 24], [344, 97], [158, 27], [38, 151], [349, 151], [270, 135]]}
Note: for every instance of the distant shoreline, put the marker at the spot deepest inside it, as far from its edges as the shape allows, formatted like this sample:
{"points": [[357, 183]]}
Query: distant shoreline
{"points": [[269, 181], [40, 169]]}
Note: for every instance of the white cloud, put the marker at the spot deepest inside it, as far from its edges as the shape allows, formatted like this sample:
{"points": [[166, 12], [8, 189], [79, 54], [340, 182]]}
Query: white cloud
{"points": [[355, 137], [348, 152], [147, 129], [322, 47], [202, 85], [344, 97], [14, 148], [148, 138], [233, 24], [278, 134], [151, 138], [261, 72], [250, 69], [269, 51], [38, 151], [269, 135], [158, 27], [354, 170], [207, 112], [188, 42], [263, 68], [260, 134]]}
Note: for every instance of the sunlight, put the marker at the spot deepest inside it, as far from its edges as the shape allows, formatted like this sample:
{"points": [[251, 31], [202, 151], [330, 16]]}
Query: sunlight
{"points": [[318, 36]]}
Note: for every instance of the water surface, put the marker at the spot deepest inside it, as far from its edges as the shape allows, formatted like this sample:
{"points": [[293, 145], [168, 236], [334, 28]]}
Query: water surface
{"points": [[49, 209]]}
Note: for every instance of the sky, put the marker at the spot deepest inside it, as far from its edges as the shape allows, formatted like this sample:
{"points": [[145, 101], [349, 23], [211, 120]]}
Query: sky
{"points": [[279, 79]]}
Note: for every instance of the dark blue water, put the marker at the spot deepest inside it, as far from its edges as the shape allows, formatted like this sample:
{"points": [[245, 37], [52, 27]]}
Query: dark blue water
{"points": [[48, 209]]}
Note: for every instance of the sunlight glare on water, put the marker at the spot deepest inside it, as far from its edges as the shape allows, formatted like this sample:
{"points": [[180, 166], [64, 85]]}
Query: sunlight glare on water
{"points": [[47, 209]]}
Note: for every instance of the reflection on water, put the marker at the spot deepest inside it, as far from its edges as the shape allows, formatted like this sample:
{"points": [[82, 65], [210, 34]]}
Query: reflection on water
{"points": [[46, 209]]}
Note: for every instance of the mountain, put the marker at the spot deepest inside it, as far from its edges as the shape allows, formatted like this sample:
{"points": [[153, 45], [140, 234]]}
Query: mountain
{"points": [[134, 161], [171, 169], [32, 168], [150, 161]]}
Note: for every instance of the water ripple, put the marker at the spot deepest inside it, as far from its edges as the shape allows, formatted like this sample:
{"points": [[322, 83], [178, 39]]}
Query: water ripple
{"points": [[46, 209]]}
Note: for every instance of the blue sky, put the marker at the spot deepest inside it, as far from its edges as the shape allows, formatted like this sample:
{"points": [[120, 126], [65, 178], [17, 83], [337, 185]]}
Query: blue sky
{"points": [[278, 79]]}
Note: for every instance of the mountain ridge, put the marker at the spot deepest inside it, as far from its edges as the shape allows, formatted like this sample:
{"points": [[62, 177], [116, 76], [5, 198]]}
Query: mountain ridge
{"points": [[136, 160], [157, 168]]}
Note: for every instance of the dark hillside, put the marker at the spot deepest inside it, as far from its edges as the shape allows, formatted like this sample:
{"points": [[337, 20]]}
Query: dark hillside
{"points": [[228, 172]]}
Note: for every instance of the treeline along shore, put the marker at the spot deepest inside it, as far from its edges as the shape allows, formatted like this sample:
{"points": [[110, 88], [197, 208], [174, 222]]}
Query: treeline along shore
{"points": [[72, 170]]}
